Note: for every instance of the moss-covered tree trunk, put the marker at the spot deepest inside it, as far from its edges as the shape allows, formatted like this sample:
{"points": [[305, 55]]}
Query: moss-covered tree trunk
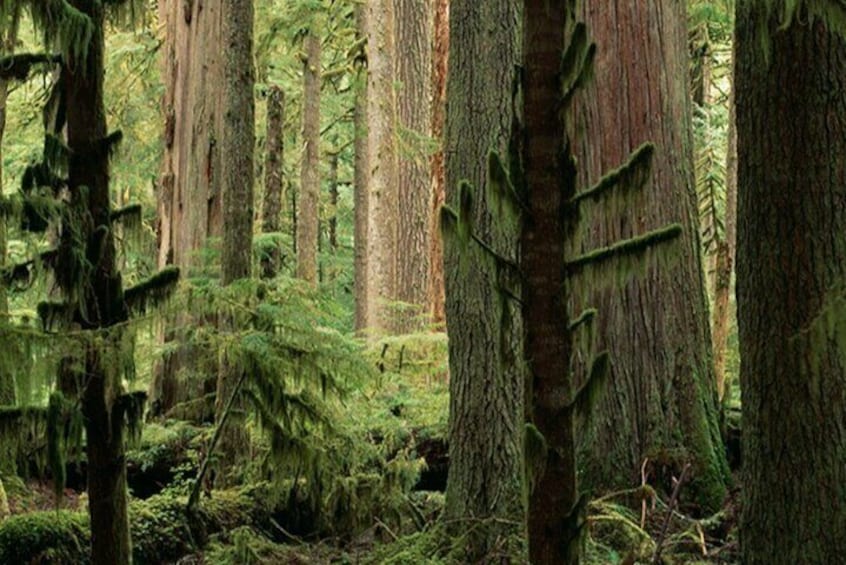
{"points": [[413, 67], [190, 201], [484, 496], [7, 382], [309, 196], [101, 296], [661, 402], [361, 171], [791, 283], [274, 189], [237, 150]]}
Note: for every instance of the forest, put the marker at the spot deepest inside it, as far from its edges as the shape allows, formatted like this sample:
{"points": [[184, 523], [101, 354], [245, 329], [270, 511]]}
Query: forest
{"points": [[422, 282]]}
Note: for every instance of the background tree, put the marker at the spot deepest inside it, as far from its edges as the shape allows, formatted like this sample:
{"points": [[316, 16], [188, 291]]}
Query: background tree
{"points": [[274, 184], [361, 171], [309, 197], [661, 399], [413, 67], [790, 278]]}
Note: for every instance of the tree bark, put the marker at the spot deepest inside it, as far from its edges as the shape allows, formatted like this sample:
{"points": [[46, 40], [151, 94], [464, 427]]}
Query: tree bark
{"points": [[440, 65], [307, 223], [333, 203], [550, 181], [382, 196], [274, 188], [413, 67], [190, 202], [655, 325], [725, 255], [237, 170], [101, 296], [487, 376], [791, 276], [361, 181]]}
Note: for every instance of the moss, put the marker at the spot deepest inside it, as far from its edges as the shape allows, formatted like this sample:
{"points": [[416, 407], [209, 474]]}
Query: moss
{"points": [[45, 537]]}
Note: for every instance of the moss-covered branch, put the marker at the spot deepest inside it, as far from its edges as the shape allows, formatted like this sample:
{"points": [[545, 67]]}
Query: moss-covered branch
{"points": [[152, 291], [18, 67], [584, 318], [629, 176], [632, 246]]}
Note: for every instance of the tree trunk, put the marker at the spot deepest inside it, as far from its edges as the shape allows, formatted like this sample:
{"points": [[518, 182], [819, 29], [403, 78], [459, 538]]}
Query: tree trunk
{"points": [[791, 268], [440, 65], [484, 495], [102, 298], [7, 379], [333, 204], [274, 188], [307, 225], [361, 181], [661, 399], [725, 256], [550, 181], [413, 67], [237, 170], [382, 197], [190, 203]]}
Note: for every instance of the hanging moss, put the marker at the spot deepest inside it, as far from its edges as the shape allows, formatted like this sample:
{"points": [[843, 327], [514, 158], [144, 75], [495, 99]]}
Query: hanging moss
{"points": [[587, 396], [630, 176], [576, 62]]}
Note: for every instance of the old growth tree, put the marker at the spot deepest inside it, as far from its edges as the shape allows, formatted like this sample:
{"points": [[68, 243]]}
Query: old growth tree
{"points": [[513, 206], [791, 278]]}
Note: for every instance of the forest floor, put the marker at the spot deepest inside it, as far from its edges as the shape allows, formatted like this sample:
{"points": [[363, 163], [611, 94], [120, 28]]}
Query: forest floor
{"points": [[398, 427]]}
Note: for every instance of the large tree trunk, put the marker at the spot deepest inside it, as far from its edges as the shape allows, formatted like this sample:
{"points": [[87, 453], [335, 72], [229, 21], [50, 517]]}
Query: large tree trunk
{"points": [[190, 202], [307, 223], [382, 199], [361, 181], [237, 172], [661, 399], [413, 67], [725, 255], [274, 189], [485, 497], [101, 296], [550, 181], [791, 268]]}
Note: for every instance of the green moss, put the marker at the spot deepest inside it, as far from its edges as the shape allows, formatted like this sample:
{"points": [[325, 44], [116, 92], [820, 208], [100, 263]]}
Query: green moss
{"points": [[45, 537]]}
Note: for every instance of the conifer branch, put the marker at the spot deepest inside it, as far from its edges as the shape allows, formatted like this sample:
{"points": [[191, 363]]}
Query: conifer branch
{"points": [[18, 67]]}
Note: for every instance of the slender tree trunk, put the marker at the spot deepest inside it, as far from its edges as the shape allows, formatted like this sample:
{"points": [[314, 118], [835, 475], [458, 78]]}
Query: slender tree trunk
{"points": [[484, 495], [361, 182], [791, 276], [274, 188], [103, 298], [7, 379], [307, 225], [661, 399], [550, 182], [237, 170], [190, 202], [383, 180], [413, 67], [725, 255], [440, 64], [333, 203]]}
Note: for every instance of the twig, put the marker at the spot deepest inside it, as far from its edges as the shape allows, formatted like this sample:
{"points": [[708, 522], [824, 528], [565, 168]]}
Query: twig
{"points": [[387, 529], [676, 491]]}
